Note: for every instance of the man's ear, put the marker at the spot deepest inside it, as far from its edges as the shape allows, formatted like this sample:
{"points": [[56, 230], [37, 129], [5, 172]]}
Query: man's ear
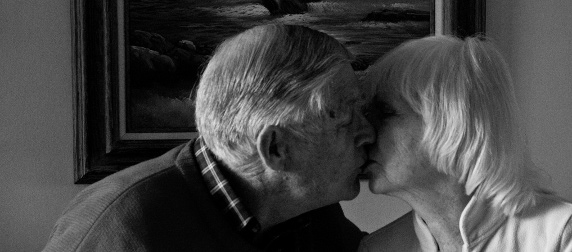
{"points": [[272, 147]]}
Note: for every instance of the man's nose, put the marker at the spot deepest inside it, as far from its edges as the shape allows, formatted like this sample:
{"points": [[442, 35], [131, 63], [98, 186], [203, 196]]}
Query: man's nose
{"points": [[365, 132]]}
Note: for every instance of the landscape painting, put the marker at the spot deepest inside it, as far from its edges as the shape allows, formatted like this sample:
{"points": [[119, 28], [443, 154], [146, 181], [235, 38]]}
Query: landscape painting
{"points": [[168, 42]]}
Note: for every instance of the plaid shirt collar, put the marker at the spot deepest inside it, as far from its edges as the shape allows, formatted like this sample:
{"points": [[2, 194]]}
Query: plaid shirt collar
{"points": [[228, 202]]}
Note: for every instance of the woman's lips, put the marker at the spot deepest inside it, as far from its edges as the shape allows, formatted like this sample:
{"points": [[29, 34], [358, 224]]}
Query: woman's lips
{"points": [[371, 166], [367, 163]]}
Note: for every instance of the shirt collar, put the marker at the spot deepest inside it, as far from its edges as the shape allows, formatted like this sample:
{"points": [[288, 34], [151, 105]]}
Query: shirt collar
{"points": [[478, 222], [226, 199], [426, 240]]}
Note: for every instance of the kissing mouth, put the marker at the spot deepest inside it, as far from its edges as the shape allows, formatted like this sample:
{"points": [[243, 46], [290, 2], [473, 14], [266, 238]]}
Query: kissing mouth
{"points": [[366, 164]]}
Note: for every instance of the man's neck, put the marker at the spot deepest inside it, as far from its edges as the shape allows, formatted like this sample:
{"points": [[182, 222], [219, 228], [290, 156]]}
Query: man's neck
{"points": [[267, 201]]}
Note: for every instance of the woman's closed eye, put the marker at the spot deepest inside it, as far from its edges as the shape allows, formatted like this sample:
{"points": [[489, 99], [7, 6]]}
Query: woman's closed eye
{"points": [[386, 110], [379, 110]]}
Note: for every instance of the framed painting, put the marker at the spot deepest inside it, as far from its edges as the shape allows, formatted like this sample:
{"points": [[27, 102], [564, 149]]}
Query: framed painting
{"points": [[136, 62]]}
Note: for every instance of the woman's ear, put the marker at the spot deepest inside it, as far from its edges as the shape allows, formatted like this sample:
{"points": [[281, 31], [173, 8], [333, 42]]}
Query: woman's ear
{"points": [[272, 147]]}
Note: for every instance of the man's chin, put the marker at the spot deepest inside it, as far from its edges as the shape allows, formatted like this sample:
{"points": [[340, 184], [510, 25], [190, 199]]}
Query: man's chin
{"points": [[354, 191]]}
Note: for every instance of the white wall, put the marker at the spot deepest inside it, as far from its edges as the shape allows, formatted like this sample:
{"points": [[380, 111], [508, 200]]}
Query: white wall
{"points": [[36, 140], [36, 166]]}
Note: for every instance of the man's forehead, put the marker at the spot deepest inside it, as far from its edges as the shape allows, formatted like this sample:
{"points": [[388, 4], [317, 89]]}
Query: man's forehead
{"points": [[347, 87]]}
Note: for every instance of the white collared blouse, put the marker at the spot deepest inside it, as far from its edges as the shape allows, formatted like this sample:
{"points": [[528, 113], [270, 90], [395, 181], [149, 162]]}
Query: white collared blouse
{"points": [[546, 227]]}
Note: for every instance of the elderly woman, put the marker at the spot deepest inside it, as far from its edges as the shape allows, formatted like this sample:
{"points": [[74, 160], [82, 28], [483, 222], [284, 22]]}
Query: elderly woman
{"points": [[448, 145]]}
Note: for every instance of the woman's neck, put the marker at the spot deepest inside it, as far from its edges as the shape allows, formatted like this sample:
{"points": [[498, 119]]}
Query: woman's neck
{"points": [[440, 206]]}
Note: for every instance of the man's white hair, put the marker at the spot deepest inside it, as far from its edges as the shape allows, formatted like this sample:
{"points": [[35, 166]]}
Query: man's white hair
{"points": [[464, 93], [268, 75]]}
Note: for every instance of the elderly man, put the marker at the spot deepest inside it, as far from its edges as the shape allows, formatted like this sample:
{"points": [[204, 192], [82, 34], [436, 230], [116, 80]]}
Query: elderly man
{"points": [[281, 142]]}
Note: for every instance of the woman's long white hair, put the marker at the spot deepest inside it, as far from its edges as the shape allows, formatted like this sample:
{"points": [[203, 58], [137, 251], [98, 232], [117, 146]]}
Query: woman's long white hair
{"points": [[464, 93]]}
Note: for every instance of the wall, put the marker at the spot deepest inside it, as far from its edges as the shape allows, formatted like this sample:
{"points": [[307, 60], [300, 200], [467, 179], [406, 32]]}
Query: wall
{"points": [[36, 140], [36, 121]]}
